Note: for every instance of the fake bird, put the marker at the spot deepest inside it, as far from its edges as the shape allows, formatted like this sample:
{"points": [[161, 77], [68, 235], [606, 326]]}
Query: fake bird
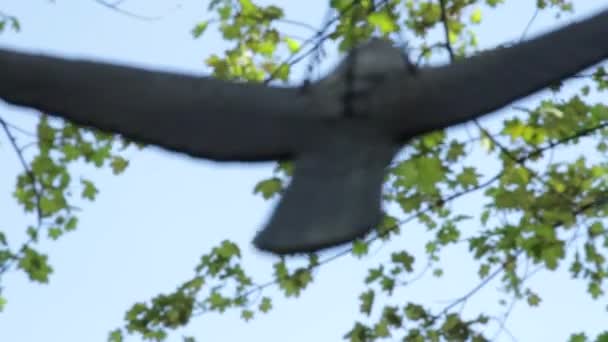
{"points": [[340, 148]]}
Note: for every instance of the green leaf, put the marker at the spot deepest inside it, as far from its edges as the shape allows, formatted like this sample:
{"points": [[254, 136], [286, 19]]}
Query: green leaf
{"points": [[228, 249], [200, 28], [43, 164], [484, 270], [476, 16], [225, 11], [115, 336], [218, 302], [381, 329], [266, 47], [485, 215], [387, 284], [360, 248], [404, 260], [341, 5], [269, 187], [415, 312], [359, 333], [422, 173], [374, 274], [32, 233], [265, 305], [46, 134], [595, 289], [455, 152], [247, 7], [55, 232], [71, 152], [448, 233], [273, 13], [580, 337], [71, 224], [247, 315], [596, 229], [51, 205], [487, 143], [90, 191], [552, 254], [603, 337], [3, 240], [282, 72], [382, 21], [118, 164], [367, 301], [468, 178], [15, 24], [292, 44], [35, 265], [388, 225], [533, 299], [430, 172]]}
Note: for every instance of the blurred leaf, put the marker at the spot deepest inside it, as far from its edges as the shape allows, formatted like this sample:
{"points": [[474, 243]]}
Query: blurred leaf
{"points": [[269, 187], [367, 301], [200, 28]]}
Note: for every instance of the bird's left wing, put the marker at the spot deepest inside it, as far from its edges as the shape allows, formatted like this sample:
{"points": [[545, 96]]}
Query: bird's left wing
{"points": [[202, 117], [443, 96]]}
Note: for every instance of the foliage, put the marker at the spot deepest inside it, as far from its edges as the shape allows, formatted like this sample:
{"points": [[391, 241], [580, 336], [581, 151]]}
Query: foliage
{"points": [[46, 187], [538, 210]]}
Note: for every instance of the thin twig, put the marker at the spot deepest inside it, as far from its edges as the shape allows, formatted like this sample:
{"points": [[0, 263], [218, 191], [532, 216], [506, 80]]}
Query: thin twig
{"points": [[474, 290], [115, 7], [18, 129], [529, 25], [446, 29], [25, 166], [298, 23]]}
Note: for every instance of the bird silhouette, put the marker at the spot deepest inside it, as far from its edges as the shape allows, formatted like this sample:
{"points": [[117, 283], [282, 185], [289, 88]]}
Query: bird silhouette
{"points": [[341, 132]]}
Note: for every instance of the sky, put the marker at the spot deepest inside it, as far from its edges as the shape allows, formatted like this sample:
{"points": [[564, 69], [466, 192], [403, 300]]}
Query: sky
{"points": [[148, 227]]}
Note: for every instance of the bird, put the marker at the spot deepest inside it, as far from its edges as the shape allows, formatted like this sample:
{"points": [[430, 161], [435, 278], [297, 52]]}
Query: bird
{"points": [[341, 133]]}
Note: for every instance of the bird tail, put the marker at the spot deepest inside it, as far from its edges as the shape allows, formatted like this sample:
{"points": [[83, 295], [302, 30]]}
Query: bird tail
{"points": [[334, 197]]}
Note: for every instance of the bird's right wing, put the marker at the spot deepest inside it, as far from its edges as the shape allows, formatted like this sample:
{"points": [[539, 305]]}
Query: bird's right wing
{"points": [[443, 96], [202, 117]]}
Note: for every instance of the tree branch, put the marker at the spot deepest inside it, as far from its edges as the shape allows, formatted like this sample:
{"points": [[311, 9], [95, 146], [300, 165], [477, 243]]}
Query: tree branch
{"points": [[115, 7], [25, 166]]}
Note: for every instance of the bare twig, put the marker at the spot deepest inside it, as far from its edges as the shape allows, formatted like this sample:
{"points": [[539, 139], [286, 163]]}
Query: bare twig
{"points": [[25, 166], [446, 29], [115, 7], [298, 23], [474, 290], [19, 129], [529, 25]]}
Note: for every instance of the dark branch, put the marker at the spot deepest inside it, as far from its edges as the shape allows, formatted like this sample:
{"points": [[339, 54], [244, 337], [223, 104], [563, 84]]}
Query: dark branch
{"points": [[115, 7], [26, 169]]}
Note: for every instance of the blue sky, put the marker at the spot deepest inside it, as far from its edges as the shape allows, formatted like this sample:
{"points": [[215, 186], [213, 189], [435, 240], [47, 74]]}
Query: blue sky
{"points": [[147, 229]]}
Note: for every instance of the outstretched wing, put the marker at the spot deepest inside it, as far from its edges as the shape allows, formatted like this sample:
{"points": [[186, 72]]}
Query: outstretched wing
{"points": [[462, 91], [202, 117]]}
